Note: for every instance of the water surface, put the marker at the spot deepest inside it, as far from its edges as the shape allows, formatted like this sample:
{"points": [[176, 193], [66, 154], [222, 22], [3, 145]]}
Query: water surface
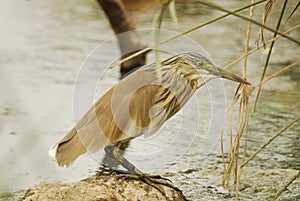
{"points": [[43, 48]]}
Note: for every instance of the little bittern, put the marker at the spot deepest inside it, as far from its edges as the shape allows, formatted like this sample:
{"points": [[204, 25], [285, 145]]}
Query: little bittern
{"points": [[139, 104]]}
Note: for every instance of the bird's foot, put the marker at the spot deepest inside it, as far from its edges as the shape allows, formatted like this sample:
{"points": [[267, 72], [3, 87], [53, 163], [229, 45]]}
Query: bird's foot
{"points": [[156, 181], [107, 171]]}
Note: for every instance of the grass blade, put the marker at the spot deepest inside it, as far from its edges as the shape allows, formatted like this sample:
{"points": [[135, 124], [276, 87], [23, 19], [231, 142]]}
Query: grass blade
{"points": [[172, 10], [296, 7]]}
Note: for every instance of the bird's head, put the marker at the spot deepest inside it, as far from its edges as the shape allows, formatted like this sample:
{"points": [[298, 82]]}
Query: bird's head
{"points": [[205, 69]]}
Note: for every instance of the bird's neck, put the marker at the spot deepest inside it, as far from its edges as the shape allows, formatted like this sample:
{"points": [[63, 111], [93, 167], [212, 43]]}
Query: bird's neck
{"points": [[176, 90]]}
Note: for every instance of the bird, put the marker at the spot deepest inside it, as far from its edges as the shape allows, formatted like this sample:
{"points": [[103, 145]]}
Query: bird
{"points": [[138, 105]]}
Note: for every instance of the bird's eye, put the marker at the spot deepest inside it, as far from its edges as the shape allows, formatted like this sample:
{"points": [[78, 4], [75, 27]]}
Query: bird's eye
{"points": [[200, 63]]}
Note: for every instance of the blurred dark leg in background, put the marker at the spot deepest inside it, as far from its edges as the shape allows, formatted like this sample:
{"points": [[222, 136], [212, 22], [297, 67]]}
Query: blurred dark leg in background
{"points": [[130, 42]]}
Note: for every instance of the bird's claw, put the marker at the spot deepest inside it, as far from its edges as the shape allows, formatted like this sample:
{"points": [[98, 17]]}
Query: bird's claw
{"points": [[156, 181]]}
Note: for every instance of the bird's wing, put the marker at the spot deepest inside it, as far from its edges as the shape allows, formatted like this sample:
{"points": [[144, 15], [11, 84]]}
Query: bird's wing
{"points": [[131, 101]]}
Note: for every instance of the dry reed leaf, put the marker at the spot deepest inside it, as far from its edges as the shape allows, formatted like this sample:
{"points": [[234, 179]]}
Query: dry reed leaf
{"points": [[267, 11]]}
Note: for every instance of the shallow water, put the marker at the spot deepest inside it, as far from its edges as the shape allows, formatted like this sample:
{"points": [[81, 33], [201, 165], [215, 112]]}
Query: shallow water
{"points": [[43, 50]]}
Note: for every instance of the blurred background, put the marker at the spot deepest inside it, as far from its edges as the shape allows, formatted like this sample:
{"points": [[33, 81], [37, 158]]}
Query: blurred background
{"points": [[44, 45]]}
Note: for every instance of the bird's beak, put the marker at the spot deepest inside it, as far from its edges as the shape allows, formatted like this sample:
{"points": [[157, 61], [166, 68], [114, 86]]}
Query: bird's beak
{"points": [[228, 75]]}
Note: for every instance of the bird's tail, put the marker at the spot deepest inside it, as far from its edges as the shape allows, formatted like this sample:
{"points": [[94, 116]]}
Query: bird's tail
{"points": [[67, 149]]}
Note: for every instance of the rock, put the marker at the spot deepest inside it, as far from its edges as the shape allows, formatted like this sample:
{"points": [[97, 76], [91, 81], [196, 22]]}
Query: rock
{"points": [[100, 188], [197, 184]]}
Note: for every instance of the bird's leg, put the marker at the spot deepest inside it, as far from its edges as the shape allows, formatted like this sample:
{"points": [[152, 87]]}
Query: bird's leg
{"points": [[138, 174], [109, 163], [123, 161]]}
